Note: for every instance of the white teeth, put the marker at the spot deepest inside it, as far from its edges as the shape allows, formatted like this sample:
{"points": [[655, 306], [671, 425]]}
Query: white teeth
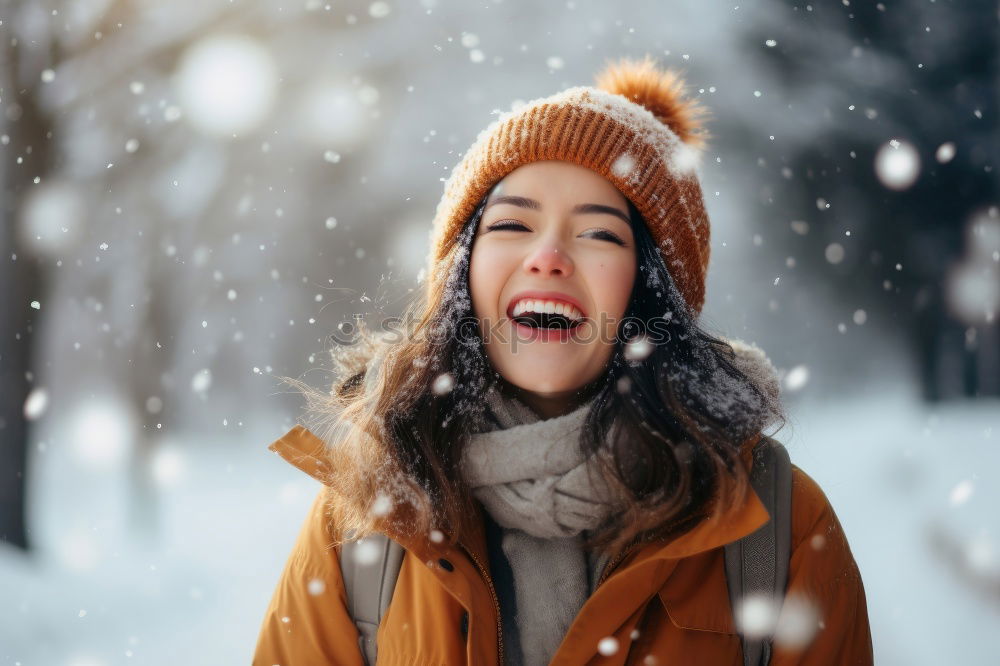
{"points": [[549, 307]]}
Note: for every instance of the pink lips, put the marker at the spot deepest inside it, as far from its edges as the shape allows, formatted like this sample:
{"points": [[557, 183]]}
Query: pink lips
{"points": [[527, 333]]}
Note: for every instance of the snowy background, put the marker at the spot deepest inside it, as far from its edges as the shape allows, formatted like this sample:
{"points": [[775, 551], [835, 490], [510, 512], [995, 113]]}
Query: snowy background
{"points": [[197, 193]]}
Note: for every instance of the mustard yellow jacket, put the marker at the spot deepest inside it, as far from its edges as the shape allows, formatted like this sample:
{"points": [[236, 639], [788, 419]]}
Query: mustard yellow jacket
{"points": [[664, 603]]}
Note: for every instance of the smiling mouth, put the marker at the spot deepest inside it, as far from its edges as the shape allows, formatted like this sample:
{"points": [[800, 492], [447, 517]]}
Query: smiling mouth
{"points": [[546, 320]]}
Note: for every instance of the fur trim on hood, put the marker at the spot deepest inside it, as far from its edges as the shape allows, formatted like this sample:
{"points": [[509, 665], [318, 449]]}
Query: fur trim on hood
{"points": [[754, 362]]}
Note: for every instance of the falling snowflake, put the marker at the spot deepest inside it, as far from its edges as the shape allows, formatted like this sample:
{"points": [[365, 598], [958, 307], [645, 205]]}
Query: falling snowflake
{"points": [[367, 552], [897, 164], [36, 403], [756, 616], [961, 493], [797, 623], [382, 505], [226, 84], [945, 152], [316, 587], [638, 349], [797, 378], [608, 646], [379, 9], [834, 253], [443, 384], [167, 466], [201, 381], [623, 166]]}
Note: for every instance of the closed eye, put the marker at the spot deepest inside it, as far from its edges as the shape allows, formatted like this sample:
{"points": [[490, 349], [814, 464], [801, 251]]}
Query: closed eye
{"points": [[514, 225], [604, 234], [504, 225]]}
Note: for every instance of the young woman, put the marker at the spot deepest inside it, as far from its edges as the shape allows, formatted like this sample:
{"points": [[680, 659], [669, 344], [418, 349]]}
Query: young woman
{"points": [[559, 447]]}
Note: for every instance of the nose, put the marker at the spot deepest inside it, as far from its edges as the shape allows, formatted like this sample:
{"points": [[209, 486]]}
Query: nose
{"points": [[548, 259]]}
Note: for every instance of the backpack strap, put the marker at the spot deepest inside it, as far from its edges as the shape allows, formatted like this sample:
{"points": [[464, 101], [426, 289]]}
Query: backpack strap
{"points": [[757, 564], [369, 565]]}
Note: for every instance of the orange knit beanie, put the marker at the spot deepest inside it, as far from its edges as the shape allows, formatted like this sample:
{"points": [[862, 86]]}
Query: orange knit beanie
{"points": [[634, 128]]}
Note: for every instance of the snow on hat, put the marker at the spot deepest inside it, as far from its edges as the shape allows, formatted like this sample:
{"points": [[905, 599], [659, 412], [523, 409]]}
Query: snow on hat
{"points": [[635, 128]]}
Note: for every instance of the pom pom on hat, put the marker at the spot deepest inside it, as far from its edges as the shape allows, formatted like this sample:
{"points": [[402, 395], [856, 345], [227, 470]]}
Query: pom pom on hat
{"points": [[661, 92]]}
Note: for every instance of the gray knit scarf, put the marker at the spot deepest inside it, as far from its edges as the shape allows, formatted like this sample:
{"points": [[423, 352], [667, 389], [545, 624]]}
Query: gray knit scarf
{"points": [[535, 482]]}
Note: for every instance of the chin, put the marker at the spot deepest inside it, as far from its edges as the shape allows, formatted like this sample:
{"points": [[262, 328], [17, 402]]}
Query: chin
{"points": [[544, 372], [547, 387], [543, 381]]}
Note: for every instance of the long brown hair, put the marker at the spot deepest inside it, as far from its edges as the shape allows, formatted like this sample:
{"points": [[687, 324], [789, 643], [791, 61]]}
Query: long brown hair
{"points": [[399, 412]]}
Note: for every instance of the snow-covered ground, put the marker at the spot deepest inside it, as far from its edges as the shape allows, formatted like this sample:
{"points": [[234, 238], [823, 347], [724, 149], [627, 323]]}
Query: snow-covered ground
{"points": [[194, 594], [916, 489]]}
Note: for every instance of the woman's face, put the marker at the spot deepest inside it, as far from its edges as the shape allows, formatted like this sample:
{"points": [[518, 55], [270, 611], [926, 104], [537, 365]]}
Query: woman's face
{"points": [[554, 239]]}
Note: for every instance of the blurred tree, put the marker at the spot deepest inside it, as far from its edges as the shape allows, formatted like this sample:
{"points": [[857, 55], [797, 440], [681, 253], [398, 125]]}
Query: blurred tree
{"points": [[27, 148], [204, 180], [895, 110]]}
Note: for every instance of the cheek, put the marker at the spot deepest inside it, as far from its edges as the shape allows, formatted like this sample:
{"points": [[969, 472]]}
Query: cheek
{"points": [[612, 285], [484, 280]]}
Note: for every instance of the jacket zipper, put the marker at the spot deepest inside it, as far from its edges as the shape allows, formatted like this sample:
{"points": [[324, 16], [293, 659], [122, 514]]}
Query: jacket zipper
{"points": [[496, 600]]}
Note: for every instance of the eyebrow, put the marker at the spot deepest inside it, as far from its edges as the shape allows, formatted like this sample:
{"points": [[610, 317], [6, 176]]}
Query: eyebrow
{"points": [[533, 204]]}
